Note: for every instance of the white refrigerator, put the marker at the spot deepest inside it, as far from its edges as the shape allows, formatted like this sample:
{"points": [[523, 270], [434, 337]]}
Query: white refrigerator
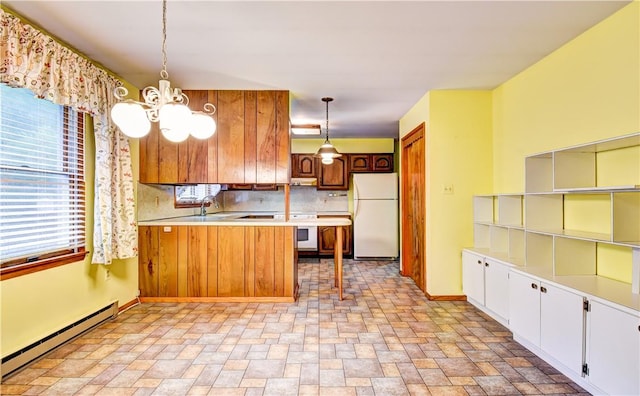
{"points": [[375, 220]]}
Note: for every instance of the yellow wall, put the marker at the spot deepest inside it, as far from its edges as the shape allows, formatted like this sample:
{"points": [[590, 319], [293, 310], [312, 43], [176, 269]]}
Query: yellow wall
{"points": [[457, 151], [35, 305], [345, 145], [585, 91]]}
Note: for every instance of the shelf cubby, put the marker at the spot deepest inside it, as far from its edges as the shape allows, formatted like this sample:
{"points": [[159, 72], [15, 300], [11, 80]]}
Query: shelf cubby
{"points": [[509, 212], [483, 209], [617, 262], [626, 208], [587, 216], [482, 236], [516, 246], [539, 250], [500, 240], [574, 256], [539, 173], [543, 212]]}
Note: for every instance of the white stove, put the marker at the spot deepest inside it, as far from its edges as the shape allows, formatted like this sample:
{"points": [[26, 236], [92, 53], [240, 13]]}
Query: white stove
{"points": [[307, 235]]}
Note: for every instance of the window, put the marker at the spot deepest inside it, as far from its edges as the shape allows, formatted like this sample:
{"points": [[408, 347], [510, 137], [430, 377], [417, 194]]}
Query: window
{"points": [[42, 197], [191, 195]]}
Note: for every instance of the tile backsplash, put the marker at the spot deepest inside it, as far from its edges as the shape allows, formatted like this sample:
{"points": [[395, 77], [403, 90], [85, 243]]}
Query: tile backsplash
{"points": [[303, 199], [157, 201]]}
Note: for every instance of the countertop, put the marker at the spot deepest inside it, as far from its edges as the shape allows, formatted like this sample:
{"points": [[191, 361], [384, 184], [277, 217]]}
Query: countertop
{"points": [[239, 219]]}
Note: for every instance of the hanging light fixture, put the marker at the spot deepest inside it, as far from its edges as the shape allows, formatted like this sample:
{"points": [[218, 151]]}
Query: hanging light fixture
{"points": [[327, 152], [167, 106]]}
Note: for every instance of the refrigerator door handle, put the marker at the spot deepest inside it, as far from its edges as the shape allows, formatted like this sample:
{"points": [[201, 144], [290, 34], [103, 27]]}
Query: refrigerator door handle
{"points": [[355, 200]]}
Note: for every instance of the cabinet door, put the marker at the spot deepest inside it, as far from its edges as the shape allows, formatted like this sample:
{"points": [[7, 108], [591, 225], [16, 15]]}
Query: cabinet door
{"points": [[334, 176], [382, 162], [561, 325], [327, 239], [473, 277], [524, 307], [148, 261], [231, 136], [193, 154], [303, 165], [359, 163], [614, 350], [496, 291]]}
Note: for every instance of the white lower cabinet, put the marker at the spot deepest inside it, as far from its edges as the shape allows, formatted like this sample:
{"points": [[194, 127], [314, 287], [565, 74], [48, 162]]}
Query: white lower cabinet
{"points": [[613, 350], [549, 318], [473, 276], [485, 281], [496, 287], [524, 307], [562, 326]]}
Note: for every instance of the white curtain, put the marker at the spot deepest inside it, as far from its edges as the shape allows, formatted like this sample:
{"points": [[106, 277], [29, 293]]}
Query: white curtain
{"points": [[34, 60]]}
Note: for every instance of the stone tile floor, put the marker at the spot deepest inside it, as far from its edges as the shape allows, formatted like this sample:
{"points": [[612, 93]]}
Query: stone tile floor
{"points": [[384, 338]]}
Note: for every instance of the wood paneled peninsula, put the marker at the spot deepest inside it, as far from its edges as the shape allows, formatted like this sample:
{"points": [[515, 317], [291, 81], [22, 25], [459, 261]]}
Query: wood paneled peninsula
{"points": [[225, 257]]}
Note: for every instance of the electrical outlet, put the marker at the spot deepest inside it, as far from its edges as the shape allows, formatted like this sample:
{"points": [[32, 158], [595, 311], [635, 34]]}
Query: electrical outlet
{"points": [[107, 274], [447, 189]]}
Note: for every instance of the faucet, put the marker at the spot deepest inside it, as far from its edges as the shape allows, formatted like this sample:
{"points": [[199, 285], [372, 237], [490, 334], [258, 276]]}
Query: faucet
{"points": [[214, 201]]}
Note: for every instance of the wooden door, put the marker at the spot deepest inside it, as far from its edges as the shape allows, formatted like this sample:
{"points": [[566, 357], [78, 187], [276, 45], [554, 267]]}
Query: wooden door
{"points": [[414, 206], [334, 176]]}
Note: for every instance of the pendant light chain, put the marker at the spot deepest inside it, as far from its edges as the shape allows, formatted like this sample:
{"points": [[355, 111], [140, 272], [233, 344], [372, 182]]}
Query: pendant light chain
{"points": [[327, 131], [163, 74]]}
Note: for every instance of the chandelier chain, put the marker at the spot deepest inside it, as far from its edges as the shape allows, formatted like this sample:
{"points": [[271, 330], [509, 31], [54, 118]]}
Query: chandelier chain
{"points": [[163, 74]]}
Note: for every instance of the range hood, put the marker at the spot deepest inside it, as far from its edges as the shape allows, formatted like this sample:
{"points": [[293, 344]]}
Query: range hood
{"points": [[304, 181]]}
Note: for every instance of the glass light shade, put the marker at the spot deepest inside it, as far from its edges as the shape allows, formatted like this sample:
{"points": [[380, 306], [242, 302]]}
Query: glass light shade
{"points": [[175, 121], [131, 118], [327, 151], [203, 126], [327, 161]]}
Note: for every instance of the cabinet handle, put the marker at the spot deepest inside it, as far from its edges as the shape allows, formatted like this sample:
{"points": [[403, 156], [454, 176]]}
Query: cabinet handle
{"points": [[543, 289], [534, 286], [479, 261], [486, 264], [150, 267]]}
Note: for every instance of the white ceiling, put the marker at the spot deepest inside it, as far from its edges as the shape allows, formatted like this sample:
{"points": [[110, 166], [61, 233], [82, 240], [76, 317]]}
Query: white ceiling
{"points": [[376, 58]]}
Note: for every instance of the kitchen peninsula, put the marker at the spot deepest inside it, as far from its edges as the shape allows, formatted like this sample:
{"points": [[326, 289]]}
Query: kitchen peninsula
{"points": [[225, 257]]}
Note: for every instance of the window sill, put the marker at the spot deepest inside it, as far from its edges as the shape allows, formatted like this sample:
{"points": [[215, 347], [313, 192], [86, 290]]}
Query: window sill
{"points": [[41, 265]]}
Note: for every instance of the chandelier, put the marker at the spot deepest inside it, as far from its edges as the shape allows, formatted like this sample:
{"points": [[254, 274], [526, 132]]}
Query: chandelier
{"points": [[327, 152], [164, 105]]}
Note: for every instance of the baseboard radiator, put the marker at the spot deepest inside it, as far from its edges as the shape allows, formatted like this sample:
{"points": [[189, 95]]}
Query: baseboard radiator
{"points": [[17, 360]]}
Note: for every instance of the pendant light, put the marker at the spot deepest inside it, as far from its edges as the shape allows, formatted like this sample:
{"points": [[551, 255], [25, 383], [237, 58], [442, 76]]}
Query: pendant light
{"points": [[327, 152], [168, 107]]}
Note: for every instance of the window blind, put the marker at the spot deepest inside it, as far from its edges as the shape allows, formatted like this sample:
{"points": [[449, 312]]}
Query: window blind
{"points": [[42, 199], [193, 194]]}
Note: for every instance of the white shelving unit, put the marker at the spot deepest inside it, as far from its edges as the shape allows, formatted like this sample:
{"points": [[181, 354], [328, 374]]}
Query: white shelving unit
{"points": [[575, 231], [579, 203]]}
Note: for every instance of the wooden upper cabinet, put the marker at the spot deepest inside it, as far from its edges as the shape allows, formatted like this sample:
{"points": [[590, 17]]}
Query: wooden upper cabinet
{"points": [[360, 162], [303, 165], [371, 162], [382, 162], [251, 144], [334, 176]]}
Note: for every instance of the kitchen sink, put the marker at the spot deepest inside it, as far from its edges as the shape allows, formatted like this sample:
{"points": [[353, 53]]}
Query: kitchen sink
{"points": [[257, 216]]}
